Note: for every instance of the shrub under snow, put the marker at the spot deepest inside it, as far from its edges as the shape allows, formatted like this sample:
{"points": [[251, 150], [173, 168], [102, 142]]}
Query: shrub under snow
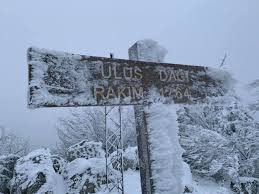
{"points": [[130, 159], [84, 175], [85, 149], [34, 173], [7, 164]]}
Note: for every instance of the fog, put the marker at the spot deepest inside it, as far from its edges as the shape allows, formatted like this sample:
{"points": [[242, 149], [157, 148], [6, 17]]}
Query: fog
{"points": [[196, 32]]}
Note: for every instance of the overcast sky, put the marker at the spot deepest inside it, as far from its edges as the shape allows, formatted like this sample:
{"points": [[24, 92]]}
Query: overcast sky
{"points": [[197, 32]]}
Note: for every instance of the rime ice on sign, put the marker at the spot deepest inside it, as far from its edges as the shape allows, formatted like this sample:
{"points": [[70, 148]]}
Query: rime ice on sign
{"points": [[162, 131], [67, 80], [60, 79], [147, 50], [166, 152]]}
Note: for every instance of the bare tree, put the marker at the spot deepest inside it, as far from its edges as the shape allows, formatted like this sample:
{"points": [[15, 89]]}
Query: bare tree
{"points": [[89, 124]]}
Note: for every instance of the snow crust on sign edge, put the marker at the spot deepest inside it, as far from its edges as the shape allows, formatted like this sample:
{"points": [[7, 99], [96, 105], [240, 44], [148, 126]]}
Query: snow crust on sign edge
{"points": [[147, 50], [53, 52], [42, 96], [227, 80], [165, 146]]}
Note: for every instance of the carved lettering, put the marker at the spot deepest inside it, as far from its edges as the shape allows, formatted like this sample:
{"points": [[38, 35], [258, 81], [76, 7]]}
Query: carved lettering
{"points": [[108, 72], [110, 93], [138, 73], [121, 91], [99, 92], [178, 92], [128, 72], [172, 75], [162, 75], [115, 70], [175, 92], [137, 93]]}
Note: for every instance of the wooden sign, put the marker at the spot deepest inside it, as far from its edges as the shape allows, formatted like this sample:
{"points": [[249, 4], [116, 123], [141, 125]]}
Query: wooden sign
{"points": [[60, 79]]}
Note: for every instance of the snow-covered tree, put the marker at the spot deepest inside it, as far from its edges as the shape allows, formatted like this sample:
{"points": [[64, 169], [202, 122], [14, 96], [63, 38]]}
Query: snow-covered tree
{"points": [[89, 124], [81, 124], [252, 89], [220, 138], [11, 144]]}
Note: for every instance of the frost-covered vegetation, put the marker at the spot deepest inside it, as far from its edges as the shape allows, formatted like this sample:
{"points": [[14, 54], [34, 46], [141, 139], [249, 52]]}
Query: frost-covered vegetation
{"points": [[88, 124], [220, 141], [11, 144], [42, 172]]}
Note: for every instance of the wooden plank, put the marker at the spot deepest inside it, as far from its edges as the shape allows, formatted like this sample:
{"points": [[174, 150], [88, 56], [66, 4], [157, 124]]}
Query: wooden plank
{"points": [[58, 79]]}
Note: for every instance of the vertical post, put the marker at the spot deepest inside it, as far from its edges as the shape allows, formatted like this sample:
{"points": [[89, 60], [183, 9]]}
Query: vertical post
{"points": [[146, 50]]}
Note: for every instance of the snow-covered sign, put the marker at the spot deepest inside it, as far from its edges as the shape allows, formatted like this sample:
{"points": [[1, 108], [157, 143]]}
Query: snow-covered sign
{"points": [[59, 79]]}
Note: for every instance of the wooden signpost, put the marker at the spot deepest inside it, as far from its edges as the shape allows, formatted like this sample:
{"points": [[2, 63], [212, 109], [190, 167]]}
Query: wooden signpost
{"points": [[58, 79], [67, 80]]}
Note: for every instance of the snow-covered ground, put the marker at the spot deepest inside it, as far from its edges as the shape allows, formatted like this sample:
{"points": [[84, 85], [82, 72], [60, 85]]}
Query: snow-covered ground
{"points": [[60, 185], [131, 184], [201, 186]]}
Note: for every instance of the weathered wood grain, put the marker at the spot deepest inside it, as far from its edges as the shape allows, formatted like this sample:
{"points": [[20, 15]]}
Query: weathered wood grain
{"points": [[58, 79]]}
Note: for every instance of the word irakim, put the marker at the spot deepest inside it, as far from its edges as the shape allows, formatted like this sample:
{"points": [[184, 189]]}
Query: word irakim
{"points": [[63, 79]]}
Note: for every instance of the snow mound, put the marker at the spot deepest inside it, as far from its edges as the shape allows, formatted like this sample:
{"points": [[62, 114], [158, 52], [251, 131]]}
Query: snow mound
{"points": [[59, 164], [130, 159], [85, 175], [34, 173], [8, 161], [7, 164]]}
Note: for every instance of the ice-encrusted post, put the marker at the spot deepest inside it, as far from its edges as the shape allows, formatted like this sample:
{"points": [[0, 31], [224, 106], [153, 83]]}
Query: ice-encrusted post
{"points": [[146, 124]]}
